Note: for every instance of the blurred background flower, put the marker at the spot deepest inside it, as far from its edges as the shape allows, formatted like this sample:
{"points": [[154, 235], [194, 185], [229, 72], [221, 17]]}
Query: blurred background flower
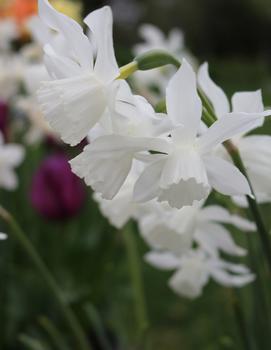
{"points": [[56, 193]]}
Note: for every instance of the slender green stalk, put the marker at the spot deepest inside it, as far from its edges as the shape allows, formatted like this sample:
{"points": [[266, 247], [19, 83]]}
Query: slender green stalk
{"points": [[31, 343], [241, 322], [136, 276], [97, 326], [28, 247]]}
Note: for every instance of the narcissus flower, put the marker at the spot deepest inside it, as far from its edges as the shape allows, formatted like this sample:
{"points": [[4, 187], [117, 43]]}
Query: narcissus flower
{"points": [[186, 169], [83, 69], [56, 193], [255, 150], [194, 270]]}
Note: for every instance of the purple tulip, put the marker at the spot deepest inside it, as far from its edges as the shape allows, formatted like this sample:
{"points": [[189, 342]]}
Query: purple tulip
{"points": [[3, 118], [56, 193]]}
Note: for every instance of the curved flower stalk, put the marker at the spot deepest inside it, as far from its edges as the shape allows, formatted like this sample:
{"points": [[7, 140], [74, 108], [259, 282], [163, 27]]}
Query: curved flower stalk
{"points": [[255, 150], [196, 268], [11, 156], [83, 71]]}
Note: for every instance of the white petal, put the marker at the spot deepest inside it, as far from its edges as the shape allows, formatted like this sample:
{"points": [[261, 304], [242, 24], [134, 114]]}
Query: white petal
{"points": [[248, 102], [183, 103], [228, 126], [100, 23], [219, 214], [106, 163], [225, 178], [213, 238], [189, 280], [79, 45], [153, 37], [229, 280], [39, 31], [147, 185], [118, 210], [12, 155], [176, 40], [59, 67], [8, 179], [162, 260], [161, 236], [72, 106], [214, 93], [151, 34]]}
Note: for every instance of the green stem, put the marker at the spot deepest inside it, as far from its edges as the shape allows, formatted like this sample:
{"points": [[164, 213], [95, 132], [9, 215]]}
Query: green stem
{"points": [[252, 202], [28, 247], [136, 276], [241, 322], [127, 70]]}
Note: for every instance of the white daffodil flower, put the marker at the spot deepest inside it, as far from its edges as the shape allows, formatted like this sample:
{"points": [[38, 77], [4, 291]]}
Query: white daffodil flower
{"points": [[11, 156], [83, 71], [194, 270], [255, 150], [154, 38], [166, 228], [186, 170]]}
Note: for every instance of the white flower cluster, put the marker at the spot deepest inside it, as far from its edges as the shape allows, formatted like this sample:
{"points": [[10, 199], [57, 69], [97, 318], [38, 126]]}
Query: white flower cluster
{"points": [[156, 168]]}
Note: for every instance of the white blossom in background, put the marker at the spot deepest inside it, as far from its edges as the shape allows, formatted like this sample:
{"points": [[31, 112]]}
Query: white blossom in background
{"points": [[11, 156], [83, 71], [170, 233], [196, 268], [155, 39], [8, 33], [166, 228], [33, 73], [3, 236], [255, 150], [10, 76]]}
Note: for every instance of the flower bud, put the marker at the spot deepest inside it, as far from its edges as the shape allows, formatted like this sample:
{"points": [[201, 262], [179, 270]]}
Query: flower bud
{"points": [[56, 193]]}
